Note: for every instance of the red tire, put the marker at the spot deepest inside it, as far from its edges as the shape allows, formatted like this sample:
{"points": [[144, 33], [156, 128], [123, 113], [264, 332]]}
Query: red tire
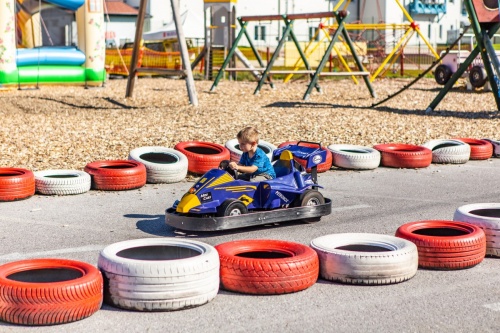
{"points": [[49, 291], [322, 167], [16, 184], [266, 267], [445, 244], [399, 155], [116, 175], [479, 149], [203, 156]]}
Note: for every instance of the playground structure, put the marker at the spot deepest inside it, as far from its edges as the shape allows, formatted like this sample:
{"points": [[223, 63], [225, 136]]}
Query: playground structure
{"points": [[485, 22], [288, 32], [342, 44], [25, 61]]}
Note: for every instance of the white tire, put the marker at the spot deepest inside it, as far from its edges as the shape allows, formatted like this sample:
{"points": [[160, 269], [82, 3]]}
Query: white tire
{"points": [[496, 147], [163, 165], [355, 157], [159, 274], [448, 151], [360, 258], [234, 149], [487, 217], [62, 182]]}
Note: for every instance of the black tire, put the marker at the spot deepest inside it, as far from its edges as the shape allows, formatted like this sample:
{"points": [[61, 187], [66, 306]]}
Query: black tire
{"points": [[442, 74], [477, 76], [310, 198], [232, 207]]}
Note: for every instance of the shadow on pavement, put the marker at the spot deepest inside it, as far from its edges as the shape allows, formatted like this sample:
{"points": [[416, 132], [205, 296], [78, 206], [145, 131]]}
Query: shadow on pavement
{"points": [[155, 225]]}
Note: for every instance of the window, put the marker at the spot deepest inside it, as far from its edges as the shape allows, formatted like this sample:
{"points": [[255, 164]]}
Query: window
{"points": [[429, 31], [95, 6], [259, 32], [314, 33], [440, 31]]}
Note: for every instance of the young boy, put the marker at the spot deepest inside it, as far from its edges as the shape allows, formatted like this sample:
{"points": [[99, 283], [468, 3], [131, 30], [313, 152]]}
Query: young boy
{"points": [[254, 165]]}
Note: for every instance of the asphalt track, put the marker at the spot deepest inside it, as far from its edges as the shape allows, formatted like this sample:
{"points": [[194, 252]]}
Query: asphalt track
{"points": [[376, 201]]}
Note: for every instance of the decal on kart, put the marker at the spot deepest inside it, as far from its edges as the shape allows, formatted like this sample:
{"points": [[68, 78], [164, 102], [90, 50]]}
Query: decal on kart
{"points": [[204, 197], [281, 196], [243, 188], [317, 159], [245, 199]]}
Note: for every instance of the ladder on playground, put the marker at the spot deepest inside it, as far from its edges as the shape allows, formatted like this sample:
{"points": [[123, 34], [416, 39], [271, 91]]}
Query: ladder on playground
{"points": [[266, 71]]}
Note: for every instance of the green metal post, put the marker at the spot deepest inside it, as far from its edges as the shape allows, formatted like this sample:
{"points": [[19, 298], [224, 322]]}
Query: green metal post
{"points": [[275, 55], [229, 55], [323, 61], [357, 61], [303, 56], [478, 32], [257, 55]]}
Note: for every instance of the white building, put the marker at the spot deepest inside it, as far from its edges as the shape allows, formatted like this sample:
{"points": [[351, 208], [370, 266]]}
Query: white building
{"points": [[437, 19]]}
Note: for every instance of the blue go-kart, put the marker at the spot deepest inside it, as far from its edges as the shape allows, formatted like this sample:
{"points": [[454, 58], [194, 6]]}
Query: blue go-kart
{"points": [[218, 201]]}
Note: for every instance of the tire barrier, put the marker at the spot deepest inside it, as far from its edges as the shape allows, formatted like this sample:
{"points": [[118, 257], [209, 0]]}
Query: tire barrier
{"points": [[479, 149], [266, 267], [116, 175], [322, 167], [49, 291], [445, 245], [163, 165], [496, 146], [448, 151], [202, 156], [362, 258], [354, 157], [398, 155], [487, 217], [62, 182], [159, 274], [235, 152], [16, 184]]}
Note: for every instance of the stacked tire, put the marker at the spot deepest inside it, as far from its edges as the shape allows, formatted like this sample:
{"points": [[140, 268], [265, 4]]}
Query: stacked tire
{"points": [[487, 217], [62, 182], [354, 157], [267, 267], [116, 175], [163, 165], [202, 156], [448, 151], [16, 184], [49, 291], [363, 258], [159, 274], [398, 155], [445, 245]]}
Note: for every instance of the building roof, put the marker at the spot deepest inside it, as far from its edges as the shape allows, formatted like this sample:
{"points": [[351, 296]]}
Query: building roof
{"points": [[115, 7]]}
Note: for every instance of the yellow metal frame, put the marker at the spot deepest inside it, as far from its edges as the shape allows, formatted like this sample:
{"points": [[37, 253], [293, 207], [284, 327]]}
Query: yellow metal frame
{"points": [[410, 28]]}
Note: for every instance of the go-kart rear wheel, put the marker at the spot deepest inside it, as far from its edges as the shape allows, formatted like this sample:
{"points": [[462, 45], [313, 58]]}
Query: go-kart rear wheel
{"points": [[232, 207], [310, 198]]}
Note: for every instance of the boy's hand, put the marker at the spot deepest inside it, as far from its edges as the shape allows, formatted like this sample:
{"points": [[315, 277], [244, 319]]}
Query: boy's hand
{"points": [[233, 165]]}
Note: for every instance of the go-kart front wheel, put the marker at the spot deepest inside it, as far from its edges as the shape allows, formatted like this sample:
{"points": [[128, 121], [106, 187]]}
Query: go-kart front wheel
{"points": [[310, 198], [232, 207]]}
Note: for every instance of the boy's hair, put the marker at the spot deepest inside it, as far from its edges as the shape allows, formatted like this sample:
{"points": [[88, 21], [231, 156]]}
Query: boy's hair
{"points": [[248, 135]]}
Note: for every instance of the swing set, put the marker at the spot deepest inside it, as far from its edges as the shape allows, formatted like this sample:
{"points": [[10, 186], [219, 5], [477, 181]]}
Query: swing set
{"points": [[266, 71]]}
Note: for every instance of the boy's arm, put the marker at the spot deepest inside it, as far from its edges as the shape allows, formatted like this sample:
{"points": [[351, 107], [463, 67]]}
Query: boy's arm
{"points": [[246, 169]]}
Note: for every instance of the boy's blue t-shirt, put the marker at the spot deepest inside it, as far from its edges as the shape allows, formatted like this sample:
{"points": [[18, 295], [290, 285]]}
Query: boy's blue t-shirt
{"points": [[261, 161]]}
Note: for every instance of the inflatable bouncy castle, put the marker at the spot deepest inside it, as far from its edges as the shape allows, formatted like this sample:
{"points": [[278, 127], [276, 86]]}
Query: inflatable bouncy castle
{"points": [[23, 59]]}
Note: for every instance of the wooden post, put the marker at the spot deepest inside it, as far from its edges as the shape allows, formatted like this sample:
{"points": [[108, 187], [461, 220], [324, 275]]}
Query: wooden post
{"points": [[193, 99], [186, 65], [135, 52]]}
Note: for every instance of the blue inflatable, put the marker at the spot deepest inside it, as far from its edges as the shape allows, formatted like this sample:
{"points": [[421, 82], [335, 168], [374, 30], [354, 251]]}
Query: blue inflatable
{"points": [[56, 55]]}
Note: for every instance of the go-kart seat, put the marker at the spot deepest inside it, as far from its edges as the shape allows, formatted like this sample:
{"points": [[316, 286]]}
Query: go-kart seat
{"points": [[283, 166]]}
